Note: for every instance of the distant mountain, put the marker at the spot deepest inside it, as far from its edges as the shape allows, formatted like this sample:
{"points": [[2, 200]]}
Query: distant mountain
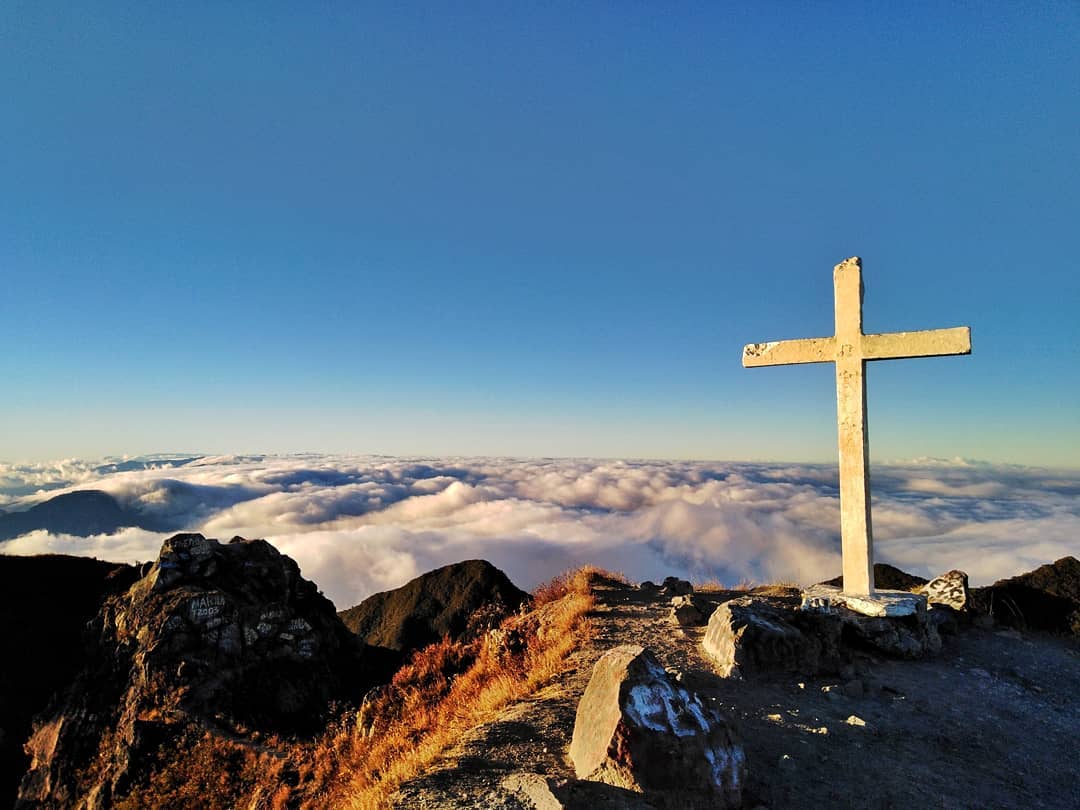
{"points": [[439, 603], [82, 513]]}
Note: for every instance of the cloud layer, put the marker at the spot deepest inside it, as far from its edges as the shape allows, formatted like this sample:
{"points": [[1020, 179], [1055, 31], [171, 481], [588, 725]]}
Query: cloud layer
{"points": [[357, 525]]}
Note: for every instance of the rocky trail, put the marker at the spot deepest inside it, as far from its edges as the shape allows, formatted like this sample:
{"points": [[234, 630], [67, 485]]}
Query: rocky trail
{"points": [[993, 721]]}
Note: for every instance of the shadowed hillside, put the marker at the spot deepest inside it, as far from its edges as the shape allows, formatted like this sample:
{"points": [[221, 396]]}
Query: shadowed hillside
{"points": [[45, 604]]}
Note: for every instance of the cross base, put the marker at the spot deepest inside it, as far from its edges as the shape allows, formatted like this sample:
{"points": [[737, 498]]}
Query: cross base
{"points": [[823, 598]]}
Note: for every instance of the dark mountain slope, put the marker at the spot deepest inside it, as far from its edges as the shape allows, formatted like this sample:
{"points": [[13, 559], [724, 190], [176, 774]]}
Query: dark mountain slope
{"points": [[436, 604], [45, 603]]}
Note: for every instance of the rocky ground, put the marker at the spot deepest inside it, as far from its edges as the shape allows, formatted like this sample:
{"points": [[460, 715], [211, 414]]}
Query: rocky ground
{"points": [[993, 721]]}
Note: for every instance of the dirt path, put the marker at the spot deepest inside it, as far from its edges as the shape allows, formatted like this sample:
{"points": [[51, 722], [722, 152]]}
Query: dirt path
{"points": [[993, 722]]}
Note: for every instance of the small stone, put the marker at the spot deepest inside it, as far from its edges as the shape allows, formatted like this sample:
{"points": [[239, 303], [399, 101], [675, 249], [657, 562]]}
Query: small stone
{"points": [[853, 720], [786, 763], [775, 718]]}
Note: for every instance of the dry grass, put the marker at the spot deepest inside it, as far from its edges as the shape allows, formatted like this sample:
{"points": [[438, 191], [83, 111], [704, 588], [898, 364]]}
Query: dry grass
{"points": [[449, 688]]}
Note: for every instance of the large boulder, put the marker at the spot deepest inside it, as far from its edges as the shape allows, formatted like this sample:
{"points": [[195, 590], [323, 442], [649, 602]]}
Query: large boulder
{"points": [[637, 728], [214, 636], [752, 635], [1047, 598], [443, 602]]}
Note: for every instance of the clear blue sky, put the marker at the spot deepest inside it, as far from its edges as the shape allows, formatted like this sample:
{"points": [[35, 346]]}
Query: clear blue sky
{"points": [[533, 229]]}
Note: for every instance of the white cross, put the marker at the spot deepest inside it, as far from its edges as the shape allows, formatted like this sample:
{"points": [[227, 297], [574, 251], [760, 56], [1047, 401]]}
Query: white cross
{"points": [[849, 349]]}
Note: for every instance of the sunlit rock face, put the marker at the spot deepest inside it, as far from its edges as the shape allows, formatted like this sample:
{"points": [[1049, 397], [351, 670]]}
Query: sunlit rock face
{"points": [[228, 635], [638, 728]]}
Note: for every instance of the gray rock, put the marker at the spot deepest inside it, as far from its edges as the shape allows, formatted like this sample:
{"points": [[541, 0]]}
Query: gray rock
{"points": [[900, 637], [638, 729], [748, 635], [686, 612], [753, 634]]}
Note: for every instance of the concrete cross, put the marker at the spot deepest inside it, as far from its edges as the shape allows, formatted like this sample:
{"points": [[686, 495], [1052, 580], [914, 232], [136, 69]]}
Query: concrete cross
{"points": [[849, 349]]}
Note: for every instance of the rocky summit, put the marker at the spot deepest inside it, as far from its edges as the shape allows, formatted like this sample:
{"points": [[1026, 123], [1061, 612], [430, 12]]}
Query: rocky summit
{"points": [[222, 635]]}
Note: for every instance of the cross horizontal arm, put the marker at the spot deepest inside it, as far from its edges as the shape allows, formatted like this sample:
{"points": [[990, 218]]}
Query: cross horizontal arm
{"points": [[788, 352], [929, 343]]}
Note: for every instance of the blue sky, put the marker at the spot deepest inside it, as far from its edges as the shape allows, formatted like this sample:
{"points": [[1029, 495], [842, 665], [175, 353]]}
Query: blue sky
{"points": [[533, 230]]}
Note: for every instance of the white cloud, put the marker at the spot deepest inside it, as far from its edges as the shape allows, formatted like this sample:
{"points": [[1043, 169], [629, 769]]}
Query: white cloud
{"points": [[361, 524]]}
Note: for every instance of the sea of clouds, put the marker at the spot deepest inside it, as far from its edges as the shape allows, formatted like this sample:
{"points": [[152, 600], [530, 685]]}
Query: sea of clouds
{"points": [[357, 525]]}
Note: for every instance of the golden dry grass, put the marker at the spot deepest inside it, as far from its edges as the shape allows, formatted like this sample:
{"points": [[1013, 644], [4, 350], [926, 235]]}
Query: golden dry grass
{"points": [[449, 688]]}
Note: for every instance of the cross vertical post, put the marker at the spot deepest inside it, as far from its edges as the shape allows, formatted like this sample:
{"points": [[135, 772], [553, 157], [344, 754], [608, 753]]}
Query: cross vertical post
{"points": [[849, 349], [856, 529]]}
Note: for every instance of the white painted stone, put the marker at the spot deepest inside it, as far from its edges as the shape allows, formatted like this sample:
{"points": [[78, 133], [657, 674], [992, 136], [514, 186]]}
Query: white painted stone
{"points": [[849, 349]]}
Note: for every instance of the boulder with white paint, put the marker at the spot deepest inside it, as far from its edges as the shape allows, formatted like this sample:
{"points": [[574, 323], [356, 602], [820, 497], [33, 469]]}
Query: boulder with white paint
{"points": [[637, 728], [950, 590]]}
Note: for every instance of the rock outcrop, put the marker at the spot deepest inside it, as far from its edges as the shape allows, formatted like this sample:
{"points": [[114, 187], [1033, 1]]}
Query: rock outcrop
{"points": [[753, 635], [637, 728], [225, 636], [1047, 598], [443, 602]]}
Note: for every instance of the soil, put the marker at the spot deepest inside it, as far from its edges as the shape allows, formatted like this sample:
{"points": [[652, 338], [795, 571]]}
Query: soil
{"points": [[992, 722]]}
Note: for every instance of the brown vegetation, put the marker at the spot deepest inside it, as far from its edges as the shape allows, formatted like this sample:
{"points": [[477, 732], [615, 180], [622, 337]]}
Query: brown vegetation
{"points": [[401, 728]]}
